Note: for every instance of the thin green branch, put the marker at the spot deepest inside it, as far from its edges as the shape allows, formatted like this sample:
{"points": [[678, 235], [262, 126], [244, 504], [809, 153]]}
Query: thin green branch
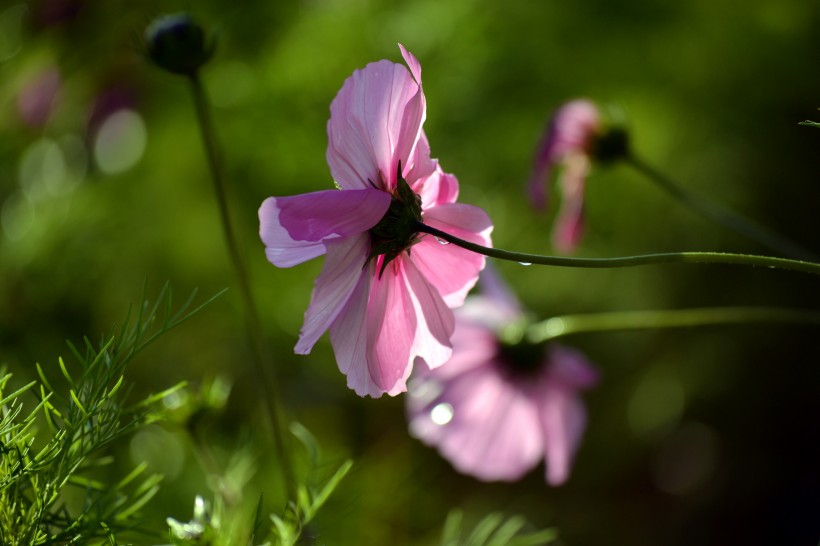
{"points": [[627, 261], [263, 368], [675, 318]]}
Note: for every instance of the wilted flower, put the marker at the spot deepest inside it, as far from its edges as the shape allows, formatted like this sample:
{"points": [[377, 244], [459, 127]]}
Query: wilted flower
{"points": [[385, 290], [567, 144], [494, 410]]}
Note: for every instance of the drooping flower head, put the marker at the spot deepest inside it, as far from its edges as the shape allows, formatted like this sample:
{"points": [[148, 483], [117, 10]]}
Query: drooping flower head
{"points": [[496, 409], [385, 291], [566, 144]]}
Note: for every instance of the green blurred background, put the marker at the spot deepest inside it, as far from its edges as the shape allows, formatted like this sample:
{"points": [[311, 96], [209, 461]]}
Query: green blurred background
{"points": [[701, 436]]}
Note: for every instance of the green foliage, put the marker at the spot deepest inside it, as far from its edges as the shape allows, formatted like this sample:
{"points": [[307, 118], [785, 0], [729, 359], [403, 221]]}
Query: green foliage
{"points": [[300, 513], [809, 123], [52, 484], [494, 530], [228, 522]]}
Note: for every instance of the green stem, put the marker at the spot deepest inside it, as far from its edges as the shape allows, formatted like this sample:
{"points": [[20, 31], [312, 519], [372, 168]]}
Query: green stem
{"points": [[626, 261], [722, 216], [678, 318], [263, 367]]}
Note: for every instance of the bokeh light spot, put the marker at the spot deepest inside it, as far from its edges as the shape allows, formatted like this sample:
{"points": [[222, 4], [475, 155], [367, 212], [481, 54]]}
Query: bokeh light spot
{"points": [[42, 169], [554, 327], [120, 142], [441, 414]]}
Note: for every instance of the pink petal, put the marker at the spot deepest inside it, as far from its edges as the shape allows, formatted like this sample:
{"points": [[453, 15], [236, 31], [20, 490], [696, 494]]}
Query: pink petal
{"points": [[571, 130], [439, 188], [447, 189], [571, 368], [540, 176], [473, 346], [412, 62], [563, 419], [569, 229], [404, 153], [322, 214], [563, 416], [574, 126], [569, 225], [420, 166], [348, 334], [451, 269], [391, 329], [375, 121], [494, 433], [435, 320], [293, 228], [333, 287], [496, 290]]}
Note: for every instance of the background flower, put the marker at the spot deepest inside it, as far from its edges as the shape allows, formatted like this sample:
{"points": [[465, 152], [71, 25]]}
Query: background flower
{"points": [[566, 145], [495, 410]]}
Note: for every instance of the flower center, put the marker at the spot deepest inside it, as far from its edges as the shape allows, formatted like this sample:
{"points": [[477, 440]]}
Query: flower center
{"points": [[397, 230], [521, 360]]}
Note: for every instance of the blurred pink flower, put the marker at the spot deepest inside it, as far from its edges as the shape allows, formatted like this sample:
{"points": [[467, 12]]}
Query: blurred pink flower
{"points": [[385, 291], [566, 144], [38, 97], [494, 411]]}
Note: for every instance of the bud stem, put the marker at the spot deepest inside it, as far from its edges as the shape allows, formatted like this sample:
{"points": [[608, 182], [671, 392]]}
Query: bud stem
{"points": [[265, 380], [721, 215]]}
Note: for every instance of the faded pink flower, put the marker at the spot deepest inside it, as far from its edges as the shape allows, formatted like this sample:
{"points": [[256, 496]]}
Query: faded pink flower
{"points": [[385, 291], [566, 144], [495, 410]]}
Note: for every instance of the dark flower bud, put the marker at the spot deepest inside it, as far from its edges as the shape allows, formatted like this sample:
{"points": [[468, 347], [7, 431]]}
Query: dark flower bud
{"points": [[176, 44], [611, 145]]}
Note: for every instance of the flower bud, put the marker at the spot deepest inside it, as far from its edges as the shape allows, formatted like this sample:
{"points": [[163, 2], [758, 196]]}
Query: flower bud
{"points": [[176, 44], [611, 144]]}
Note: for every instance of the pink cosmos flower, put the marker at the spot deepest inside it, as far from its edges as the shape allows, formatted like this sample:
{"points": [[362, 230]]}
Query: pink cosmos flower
{"points": [[494, 410], [567, 144], [385, 291]]}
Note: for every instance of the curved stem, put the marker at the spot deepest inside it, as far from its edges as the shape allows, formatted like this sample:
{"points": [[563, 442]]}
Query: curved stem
{"points": [[626, 261], [677, 318], [265, 381], [721, 215]]}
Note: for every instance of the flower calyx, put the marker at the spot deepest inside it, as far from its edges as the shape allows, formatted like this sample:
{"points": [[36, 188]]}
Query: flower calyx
{"points": [[397, 231]]}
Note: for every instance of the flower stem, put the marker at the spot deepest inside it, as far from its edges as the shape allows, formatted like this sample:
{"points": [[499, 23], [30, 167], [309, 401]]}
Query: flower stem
{"points": [[265, 380], [677, 318], [627, 261], [721, 215]]}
